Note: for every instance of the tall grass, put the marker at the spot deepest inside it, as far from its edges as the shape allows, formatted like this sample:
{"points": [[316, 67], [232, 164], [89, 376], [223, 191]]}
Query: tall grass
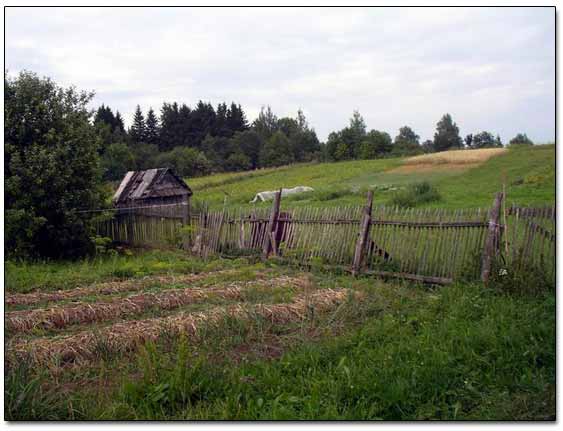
{"points": [[415, 195]]}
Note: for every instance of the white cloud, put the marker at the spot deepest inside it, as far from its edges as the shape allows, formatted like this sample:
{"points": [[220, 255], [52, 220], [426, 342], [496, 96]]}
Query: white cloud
{"points": [[486, 66]]}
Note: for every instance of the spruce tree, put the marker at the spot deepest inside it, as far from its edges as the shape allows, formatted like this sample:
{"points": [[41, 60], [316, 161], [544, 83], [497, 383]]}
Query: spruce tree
{"points": [[151, 128], [137, 132]]}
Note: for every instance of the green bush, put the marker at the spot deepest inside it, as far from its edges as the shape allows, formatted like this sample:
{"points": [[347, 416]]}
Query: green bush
{"points": [[51, 169], [415, 194]]}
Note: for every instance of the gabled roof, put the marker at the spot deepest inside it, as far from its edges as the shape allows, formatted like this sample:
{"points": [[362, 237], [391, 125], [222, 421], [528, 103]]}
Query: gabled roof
{"points": [[152, 183]]}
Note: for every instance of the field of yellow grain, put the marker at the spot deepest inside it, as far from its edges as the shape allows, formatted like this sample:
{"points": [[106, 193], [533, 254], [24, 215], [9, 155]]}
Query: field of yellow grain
{"points": [[458, 157]]}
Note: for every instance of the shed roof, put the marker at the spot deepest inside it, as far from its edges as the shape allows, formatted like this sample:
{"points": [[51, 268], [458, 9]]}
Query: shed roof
{"points": [[152, 183]]}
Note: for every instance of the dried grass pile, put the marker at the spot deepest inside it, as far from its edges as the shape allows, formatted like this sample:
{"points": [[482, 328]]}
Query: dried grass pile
{"points": [[60, 317], [126, 336], [106, 288]]}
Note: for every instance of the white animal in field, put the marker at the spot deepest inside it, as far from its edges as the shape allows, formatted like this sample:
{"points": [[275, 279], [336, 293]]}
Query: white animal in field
{"points": [[269, 195]]}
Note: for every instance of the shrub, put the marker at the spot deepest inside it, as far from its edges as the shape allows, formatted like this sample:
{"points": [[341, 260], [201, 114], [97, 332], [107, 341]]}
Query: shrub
{"points": [[415, 194], [51, 169]]}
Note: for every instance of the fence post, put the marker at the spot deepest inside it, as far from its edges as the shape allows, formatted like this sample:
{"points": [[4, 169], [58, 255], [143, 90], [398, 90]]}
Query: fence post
{"points": [[492, 241], [363, 237], [270, 234]]}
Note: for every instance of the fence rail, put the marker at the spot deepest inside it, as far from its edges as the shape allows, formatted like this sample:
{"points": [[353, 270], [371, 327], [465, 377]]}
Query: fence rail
{"points": [[435, 245]]}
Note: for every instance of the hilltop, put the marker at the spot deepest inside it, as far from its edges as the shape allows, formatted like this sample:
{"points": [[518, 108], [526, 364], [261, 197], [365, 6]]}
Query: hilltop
{"points": [[464, 179]]}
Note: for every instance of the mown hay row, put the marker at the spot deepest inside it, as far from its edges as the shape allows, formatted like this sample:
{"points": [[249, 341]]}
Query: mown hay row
{"points": [[106, 288], [60, 317], [127, 336]]}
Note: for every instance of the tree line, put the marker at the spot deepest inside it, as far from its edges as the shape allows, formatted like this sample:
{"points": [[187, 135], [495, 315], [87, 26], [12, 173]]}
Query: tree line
{"points": [[356, 142], [202, 140], [58, 154]]}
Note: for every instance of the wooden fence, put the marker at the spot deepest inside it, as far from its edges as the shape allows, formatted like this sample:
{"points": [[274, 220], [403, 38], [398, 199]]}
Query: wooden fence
{"points": [[428, 245]]}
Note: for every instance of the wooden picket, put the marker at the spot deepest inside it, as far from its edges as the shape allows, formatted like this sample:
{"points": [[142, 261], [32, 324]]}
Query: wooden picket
{"points": [[433, 245]]}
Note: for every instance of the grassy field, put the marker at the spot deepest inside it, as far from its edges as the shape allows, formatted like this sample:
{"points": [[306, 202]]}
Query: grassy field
{"points": [[462, 182], [159, 334], [269, 342]]}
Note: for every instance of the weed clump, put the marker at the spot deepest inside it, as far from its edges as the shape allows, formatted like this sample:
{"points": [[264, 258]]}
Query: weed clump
{"points": [[415, 194]]}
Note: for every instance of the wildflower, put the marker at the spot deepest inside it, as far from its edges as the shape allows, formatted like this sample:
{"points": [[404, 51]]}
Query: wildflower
{"points": [[503, 272]]}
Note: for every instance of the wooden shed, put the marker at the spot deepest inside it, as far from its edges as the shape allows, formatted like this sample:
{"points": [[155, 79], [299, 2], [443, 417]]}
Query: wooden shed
{"points": [[154, 192]]}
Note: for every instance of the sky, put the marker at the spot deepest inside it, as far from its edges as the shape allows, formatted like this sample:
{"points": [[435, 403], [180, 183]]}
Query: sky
{"points": [[492, 69]]}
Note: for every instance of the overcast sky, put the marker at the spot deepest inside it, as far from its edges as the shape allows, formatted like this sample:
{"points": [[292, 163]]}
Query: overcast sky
{"points": [[490, 68]]}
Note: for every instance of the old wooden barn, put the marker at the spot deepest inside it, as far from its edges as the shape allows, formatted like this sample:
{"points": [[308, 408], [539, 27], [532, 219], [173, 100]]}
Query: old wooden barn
{"points": [[154, 192]]}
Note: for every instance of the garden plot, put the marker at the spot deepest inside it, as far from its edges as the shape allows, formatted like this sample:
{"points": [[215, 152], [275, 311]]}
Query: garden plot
{"points": [[118, 331]]}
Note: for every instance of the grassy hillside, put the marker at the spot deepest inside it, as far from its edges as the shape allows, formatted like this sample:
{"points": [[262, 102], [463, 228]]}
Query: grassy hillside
{"points": [[530, 174]]}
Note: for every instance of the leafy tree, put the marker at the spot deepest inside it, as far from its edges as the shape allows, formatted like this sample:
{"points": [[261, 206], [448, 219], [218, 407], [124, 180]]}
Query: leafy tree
{"points": [[152, 128], [266, 124], [428, 146], [407, 142], [250, 143], [137, 132], [520, 139], [146, 156], [185, 161], [51, 168], [447, 135], [117, 160], [276, 151], [485, 140], [468, 141], [375, 145], [237, 161]]}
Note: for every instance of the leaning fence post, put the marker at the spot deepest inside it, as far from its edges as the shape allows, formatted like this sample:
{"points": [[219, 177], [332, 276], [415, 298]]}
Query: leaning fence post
{"points": [[492, 241], [364, 234], [270, 234]]}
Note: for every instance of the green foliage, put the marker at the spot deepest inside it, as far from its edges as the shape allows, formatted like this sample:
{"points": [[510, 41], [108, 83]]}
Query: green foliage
{"points": [[277, 151], [522, 280], [407, 142], [415, 194], [117, 160], [451, 354], [146, 156], [520, 139], [138, 131], [447, 135], [375, 145], [23, 276], [104, 246], [26, 400], [51, 168], [483, 140], [185, 161]]}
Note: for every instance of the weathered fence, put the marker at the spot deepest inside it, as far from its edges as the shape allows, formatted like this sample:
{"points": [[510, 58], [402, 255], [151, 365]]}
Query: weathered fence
{"points": [[430, 245]]}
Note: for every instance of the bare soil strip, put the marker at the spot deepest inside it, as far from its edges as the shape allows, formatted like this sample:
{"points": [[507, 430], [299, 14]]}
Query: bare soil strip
{"points": [[106, 288], [127, 336], [26, 321]]}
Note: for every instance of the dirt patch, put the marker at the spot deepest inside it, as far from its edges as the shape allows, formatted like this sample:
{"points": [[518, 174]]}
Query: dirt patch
{"points": [[60, 317], [127, 336], [107, 288]]}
